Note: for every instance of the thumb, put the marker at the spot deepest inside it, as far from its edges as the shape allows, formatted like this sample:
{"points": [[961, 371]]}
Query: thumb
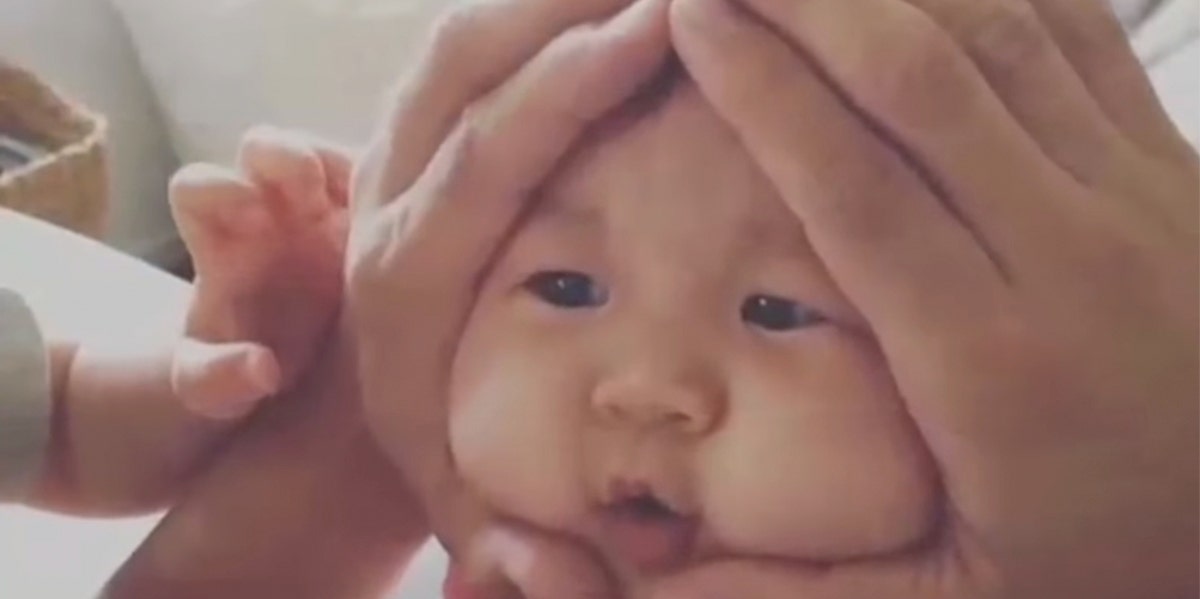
{"points": [[536, 565], [776, 579], [223, 381]]}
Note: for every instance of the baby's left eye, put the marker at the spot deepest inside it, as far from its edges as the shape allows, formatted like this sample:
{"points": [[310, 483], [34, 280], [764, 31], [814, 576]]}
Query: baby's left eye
{"points": [[776, 314], [567, 289]]}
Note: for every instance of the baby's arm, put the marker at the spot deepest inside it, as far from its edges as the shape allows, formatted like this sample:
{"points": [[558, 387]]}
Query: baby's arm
{"points": [[127, 426], [130, 429]]}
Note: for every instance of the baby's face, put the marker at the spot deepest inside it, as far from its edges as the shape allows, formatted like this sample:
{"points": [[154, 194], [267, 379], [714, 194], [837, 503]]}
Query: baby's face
{"points": [[659, 365]]}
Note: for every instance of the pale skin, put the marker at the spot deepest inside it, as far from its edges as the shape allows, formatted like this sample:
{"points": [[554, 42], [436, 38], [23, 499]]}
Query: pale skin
{"points": [[1009, 323]]}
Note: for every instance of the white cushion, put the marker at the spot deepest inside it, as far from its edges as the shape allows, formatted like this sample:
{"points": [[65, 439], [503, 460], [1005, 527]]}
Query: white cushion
{"points": [[124, 302], [220, 66], [82, 48], [1169, 43], [129, 304]]}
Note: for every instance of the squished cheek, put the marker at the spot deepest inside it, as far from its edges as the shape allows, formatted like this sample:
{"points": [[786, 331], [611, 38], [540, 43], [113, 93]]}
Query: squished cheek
{"points": [[819, 488], [514, 446], [819, 462]]}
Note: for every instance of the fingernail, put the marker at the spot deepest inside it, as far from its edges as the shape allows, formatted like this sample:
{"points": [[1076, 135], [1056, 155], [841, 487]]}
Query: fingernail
{"points": [[263, 371]]}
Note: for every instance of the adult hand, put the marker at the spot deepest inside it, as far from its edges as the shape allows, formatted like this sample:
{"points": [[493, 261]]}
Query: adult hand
{"points": [[1024, 246], [502, 95]]}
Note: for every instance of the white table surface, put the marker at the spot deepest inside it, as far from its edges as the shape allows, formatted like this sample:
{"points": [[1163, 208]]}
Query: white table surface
{"points": [[82, 290]]}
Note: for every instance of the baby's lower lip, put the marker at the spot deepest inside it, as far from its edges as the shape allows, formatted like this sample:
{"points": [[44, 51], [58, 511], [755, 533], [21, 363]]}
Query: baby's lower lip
{"points": [[648, 544]]}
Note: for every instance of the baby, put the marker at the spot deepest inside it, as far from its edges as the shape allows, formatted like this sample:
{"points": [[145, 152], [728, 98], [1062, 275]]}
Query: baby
{"points": [[659, 366]]}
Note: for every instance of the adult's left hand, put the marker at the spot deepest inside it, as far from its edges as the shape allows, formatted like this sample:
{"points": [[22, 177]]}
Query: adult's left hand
{"points": [[1023, 245]]}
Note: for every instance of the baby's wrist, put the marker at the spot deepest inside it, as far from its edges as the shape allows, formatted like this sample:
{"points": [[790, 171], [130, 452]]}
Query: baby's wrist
{"points": [[61, 358], [54, 479]]}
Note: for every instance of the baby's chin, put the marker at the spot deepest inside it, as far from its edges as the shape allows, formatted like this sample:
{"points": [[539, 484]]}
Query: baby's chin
{"points": [[655, 543], [643, 545]]}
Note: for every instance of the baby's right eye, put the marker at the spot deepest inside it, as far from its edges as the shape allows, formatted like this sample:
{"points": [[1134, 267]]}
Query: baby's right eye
{"points": [[777, 314], [567, 289]]}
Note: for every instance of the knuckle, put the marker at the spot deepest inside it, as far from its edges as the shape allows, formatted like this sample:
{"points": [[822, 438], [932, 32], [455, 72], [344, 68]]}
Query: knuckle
{"points": [[1007, 35], [575, 55], [473, 127], [368, 178], [184, 181], [852, 217], [910, 75], [379, 265], [191, 180], [1121, 257], [454, 34], [270, 146], [853, 208], [1011, 337], [261, 145], [1006, 346], [1095, 31], [467, 162], [260, 134], [365, 274]]}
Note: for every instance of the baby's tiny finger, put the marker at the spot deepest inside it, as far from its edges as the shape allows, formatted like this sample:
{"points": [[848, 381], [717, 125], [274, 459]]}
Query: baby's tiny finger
{"points": [[338, 163], [209, 201], [286, 163], [223, 381]]}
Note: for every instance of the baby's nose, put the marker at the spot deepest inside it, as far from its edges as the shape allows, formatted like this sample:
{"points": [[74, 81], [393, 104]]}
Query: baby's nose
{"points": [[690, 405]]}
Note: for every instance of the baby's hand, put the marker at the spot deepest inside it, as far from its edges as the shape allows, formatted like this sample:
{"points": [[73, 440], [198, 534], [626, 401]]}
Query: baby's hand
{"points": [[267, 242]]}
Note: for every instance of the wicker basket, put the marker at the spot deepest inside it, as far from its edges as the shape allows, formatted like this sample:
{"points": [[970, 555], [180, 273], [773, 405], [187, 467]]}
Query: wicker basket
{"points": [[68, 186]]}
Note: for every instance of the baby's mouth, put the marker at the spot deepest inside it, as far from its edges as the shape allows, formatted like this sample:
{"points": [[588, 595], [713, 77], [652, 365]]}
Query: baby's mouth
{"points": [[643, 529]]}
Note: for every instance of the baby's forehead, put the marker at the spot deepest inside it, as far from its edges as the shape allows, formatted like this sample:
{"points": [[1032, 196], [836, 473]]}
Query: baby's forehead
{"points": [[667, 167]]}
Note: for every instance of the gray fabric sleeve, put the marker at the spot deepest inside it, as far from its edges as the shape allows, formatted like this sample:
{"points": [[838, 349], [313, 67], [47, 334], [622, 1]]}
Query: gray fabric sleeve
{"points": [[25, 400]]}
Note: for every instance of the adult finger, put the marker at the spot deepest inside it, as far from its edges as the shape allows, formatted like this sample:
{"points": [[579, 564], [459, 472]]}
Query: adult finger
{"points": [[895, 578], [1093, 40], [428, 252], [1017, 55], [911, 78], [901, 256], [475, 47]]}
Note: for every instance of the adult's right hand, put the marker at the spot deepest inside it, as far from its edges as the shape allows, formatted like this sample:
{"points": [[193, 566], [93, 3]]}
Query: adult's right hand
{"points": [[995, 186], [505, 90]]}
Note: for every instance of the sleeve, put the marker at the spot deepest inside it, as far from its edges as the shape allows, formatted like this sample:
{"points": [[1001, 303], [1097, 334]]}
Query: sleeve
{"points": [[25, 401]]}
